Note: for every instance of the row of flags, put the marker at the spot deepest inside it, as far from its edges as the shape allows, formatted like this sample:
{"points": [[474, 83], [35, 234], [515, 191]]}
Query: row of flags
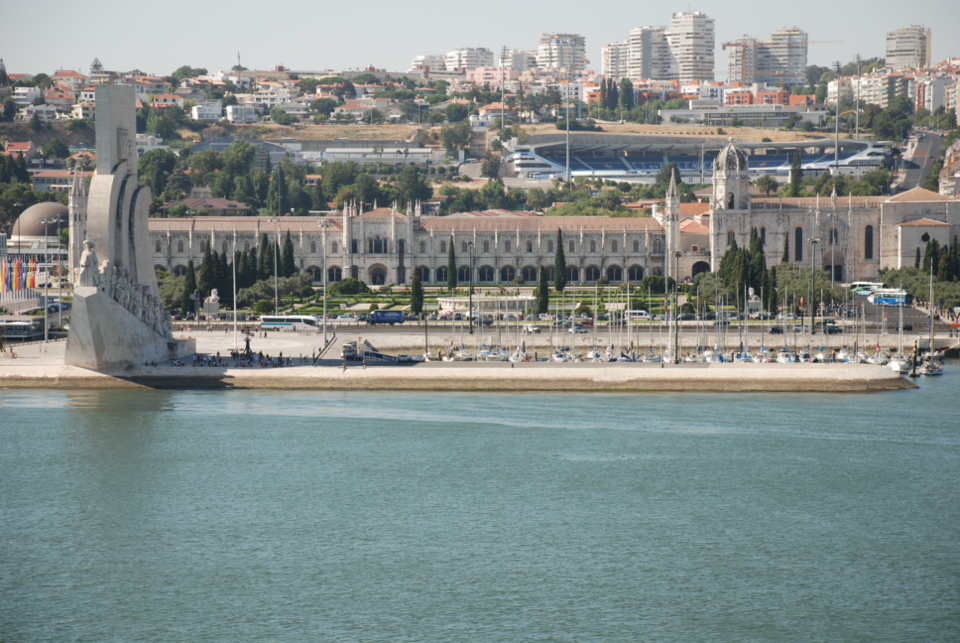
{"points": [[19, 273]]}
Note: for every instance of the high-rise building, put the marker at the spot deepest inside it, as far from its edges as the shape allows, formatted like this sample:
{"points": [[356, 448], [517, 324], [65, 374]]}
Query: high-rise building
{"points": [[561, 51], [908, 48], [616, 59], [520, 60], [691, 40], [434, 63], [750, 60], [649, 54], [468, 58]]}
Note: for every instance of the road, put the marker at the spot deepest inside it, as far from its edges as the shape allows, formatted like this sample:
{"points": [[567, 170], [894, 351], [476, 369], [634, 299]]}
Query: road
{"points": [[925, 153]]}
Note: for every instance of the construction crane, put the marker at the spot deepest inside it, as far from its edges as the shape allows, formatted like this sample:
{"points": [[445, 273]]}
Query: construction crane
{"points": [[743, 44]]}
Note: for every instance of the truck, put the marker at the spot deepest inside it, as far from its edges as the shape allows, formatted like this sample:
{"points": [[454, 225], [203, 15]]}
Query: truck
{"points": [[385, 317]]}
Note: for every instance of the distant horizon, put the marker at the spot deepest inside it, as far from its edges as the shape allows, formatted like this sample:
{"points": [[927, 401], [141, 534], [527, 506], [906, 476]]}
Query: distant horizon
{"points": [[304, 37]]}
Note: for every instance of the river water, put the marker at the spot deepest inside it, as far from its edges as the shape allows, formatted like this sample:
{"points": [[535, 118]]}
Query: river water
{"points": [[337, 516]]}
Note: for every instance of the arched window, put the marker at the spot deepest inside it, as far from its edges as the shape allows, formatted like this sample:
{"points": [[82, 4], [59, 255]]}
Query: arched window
{"points": [[485, 274], [763, 236], [731, 237], [593, 247], [441, 274], [423, 250], [549, 271], [529, 274], [834, 237], [730, 201], [614, 246], [334, 274], [423, 273], [636, 273], [549, 246], [246, 246], [353, 248], [529, 246], [334, 247], [798, 244], [463, 274], [224, 246], [657, 247], [614, 273], [203, 246], [313, 247], [507, 246], [179, 246], [868, 242], [573, 273], [571, 246], [592, 273], [158, 246], [636, 246], [463, 247], [401, 246], [507, 274], [486, 246], [443, 246]]}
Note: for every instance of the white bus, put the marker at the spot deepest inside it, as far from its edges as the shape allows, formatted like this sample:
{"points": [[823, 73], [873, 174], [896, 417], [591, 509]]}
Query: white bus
{"points": [[289, 322], [637, 315]]}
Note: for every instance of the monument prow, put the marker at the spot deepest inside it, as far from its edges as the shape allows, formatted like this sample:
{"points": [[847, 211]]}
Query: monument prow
{"points": [[118, 318]]}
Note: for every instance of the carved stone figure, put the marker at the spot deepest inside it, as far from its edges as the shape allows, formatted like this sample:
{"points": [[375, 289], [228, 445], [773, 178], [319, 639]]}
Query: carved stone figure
{"points": [[87, 272]]}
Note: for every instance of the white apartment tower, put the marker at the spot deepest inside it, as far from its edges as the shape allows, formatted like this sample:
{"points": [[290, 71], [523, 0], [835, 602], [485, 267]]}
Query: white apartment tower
{"points": [[691, 39], [434, 63], [562, 51], [750, 60], [616, 59], [649, 54], [520, 60], [468, 58], [908, 48]]}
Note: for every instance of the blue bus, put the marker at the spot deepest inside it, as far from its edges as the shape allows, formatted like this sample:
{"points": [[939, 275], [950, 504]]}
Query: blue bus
{"points": [[889, 297]]}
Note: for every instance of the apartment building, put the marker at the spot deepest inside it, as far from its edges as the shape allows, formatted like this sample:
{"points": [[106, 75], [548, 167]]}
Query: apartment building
{"points": [[783, 55], [691, 39], [562, 51], [615, 62], [431, 62], [468, 58], [649, 54], [908, 48], [520, 60]]}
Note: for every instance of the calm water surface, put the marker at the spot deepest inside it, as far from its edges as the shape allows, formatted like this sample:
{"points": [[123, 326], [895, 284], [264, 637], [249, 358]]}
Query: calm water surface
{"points": [[271, 516]]}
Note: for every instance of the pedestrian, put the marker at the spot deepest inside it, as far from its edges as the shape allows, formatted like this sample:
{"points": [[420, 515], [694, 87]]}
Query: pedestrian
{"points": [[364, 362]]}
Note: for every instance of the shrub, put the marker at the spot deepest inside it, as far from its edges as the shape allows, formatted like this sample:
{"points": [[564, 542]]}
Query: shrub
{"points": [[348, 286], [263, 307], [603, 281]]}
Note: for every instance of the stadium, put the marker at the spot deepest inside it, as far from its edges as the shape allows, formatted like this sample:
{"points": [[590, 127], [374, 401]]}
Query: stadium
{"points": [[638, 159]]}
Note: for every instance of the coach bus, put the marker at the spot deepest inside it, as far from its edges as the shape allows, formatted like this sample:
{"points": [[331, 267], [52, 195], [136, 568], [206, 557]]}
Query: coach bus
{"points": [[288, 322]]}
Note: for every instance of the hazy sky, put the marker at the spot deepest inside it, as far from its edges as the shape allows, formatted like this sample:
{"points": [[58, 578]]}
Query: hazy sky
{"points": [[158, 37]]}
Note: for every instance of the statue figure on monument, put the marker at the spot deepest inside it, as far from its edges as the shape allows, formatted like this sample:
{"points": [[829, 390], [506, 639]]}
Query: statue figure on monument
{"points": [[87, 274]]}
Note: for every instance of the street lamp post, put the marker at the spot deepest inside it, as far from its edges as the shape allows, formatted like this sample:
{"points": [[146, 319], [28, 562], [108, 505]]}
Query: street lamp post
{"points": [[276, 270], [813, 268], [323, 241], [470, 295], [676, 311]]}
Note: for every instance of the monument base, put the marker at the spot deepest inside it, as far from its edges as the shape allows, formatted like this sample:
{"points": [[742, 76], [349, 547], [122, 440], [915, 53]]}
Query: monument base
{"points": [[106, 336]]}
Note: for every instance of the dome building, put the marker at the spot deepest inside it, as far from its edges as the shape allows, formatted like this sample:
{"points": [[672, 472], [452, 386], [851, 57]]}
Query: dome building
{"points": [[29, 231]]}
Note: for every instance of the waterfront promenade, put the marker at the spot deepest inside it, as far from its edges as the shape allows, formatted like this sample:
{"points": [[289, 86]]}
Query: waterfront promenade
{"points": [[41, 366]]}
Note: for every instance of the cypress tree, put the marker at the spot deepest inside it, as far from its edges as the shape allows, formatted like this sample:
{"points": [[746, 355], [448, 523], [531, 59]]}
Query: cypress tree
{"points": [[416, 297], [207, 279], [250, 269], [916, 261], [559, 264], [543, 293], [261, 267], [289, 267], [786, 249], [189, 285], [451, 267], [796, 174], [771, 292], [603, 94]]}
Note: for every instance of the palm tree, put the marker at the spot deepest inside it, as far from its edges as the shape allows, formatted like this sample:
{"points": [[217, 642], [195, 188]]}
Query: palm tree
{"points": [[767, 183]]}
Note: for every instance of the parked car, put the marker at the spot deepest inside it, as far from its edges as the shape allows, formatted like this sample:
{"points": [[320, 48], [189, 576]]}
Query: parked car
{"points": [[721, 322], [578, 330], [532, 328], [686, 317], [775, 330]]}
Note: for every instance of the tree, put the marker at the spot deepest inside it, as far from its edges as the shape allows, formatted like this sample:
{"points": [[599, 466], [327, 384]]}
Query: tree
{"points": [[288, 268], [451, 267], [916, 261], [786, 249], [416, 297], [189, 286], [35, 123], [207, 279], [456, 137], [96, 65], [55, 149], [796, 174], [767, 183], [626, 95], [559, 264], [4, 79], [543, 293], [456, 113], [536, 199], [603, 94], [323, 106], [490, 166], [663, 176]]}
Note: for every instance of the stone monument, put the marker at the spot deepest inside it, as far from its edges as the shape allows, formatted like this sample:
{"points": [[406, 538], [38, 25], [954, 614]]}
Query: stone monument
{"points": [[118, 319], [211, 305]]}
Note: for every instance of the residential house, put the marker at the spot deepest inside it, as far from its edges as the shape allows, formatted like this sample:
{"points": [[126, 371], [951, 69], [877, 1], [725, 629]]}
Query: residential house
{"points": [[24, 96], [195, 94], [85, 110], [45, 112], [69, 79], [242, 114], [62, 99], [296, 109], [28, 149], [161, 101], [212, 111], [55, 180]]}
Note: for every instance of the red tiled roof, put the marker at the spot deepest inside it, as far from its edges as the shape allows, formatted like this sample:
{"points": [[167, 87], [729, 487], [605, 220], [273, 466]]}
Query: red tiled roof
{"points": [[922, 223], [206, 203], [919, 194]]}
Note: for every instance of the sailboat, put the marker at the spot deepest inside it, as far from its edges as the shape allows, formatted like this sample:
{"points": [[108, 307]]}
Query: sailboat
{"points": [[900, 363], [931, 365]]}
